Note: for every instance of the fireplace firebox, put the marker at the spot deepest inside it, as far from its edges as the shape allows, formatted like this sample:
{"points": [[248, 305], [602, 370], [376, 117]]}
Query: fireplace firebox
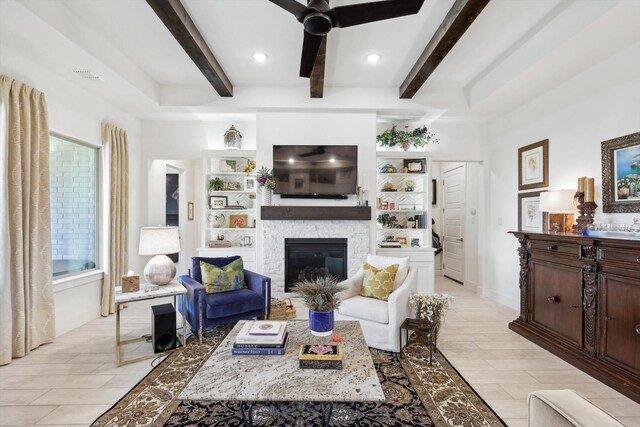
{"points": [[313, 258]]}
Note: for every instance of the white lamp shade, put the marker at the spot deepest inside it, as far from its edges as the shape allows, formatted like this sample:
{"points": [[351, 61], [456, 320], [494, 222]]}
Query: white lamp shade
{"points": [[559, 201], [159, 241]]}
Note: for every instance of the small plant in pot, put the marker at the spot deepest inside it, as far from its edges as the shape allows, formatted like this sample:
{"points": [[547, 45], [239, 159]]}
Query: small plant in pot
{"points": [[321, 295], [215, 184]]}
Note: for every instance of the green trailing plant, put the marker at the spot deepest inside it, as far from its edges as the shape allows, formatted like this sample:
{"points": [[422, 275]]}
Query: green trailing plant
{"points": [[320, 294], [215, 184], [405, 139]]}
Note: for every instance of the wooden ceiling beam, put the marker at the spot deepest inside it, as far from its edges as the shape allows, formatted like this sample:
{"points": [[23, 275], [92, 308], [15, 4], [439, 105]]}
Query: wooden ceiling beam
{"points": [[175, 17], [458, 20], [316, 82]]}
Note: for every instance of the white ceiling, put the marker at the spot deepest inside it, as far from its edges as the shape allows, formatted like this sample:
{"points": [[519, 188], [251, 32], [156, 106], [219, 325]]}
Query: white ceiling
{"points": [[514, 51]]}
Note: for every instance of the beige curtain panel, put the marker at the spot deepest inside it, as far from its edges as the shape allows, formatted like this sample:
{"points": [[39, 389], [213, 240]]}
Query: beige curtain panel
{"points": [[116, 140], [26, 286]]}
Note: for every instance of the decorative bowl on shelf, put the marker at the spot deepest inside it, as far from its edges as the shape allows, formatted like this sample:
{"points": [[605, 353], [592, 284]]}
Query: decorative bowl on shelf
{"points": [[388, 168]]}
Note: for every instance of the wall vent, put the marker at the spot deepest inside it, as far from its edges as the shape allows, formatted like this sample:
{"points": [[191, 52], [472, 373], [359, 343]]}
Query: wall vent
{"points": [[88, 75]]}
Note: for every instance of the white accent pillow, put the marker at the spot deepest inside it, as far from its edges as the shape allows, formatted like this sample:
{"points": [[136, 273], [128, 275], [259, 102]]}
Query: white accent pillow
{"points": [[379, 261]]}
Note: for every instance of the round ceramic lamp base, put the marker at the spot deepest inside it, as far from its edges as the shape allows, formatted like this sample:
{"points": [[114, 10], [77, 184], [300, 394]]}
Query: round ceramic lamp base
{"points": [[160, 270]]}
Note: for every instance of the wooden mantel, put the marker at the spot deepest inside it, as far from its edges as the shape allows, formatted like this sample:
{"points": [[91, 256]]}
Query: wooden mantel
{"points": [[328, 213]]}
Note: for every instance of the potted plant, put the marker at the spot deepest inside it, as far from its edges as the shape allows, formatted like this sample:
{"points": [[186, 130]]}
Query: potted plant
{"points": [[431, 308], [215, 184], [321, 295], [266, 184], [406, 139]]}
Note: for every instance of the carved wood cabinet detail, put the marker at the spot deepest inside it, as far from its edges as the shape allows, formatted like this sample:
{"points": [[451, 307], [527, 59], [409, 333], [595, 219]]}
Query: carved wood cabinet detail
{"points": [[580, 299]]}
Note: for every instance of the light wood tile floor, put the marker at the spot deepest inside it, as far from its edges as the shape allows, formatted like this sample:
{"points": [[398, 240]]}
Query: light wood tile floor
{"points": [[74, 380]]}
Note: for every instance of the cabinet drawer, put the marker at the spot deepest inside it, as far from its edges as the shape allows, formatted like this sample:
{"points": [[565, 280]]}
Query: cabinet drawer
{"points": [[557, 300], [556, 247], [629, 256]]}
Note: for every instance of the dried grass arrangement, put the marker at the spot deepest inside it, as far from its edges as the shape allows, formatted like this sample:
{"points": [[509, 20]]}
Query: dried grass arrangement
{"points": [[320, 294]]}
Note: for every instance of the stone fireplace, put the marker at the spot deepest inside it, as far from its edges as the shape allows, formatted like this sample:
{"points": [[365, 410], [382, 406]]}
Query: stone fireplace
{"points": [[275, 233]]}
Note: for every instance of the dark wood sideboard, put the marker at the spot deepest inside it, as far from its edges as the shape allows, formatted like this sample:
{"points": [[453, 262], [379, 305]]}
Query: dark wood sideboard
{"points": [[580, 299]]}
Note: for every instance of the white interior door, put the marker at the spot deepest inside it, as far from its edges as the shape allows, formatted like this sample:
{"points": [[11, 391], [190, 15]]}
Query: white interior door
{"points": [[453, 182]]}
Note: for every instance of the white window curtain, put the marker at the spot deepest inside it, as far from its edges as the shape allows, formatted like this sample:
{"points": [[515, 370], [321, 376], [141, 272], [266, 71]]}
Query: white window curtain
{"points": [[116, 140], [26, 283]]}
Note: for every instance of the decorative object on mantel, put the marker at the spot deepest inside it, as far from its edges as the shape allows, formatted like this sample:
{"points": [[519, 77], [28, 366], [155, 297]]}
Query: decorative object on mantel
{"points": [[559, 206], [321, 296], [533, 166], [266, 184], [621, 174], [584, 199], [406, 139], [232, 139]]}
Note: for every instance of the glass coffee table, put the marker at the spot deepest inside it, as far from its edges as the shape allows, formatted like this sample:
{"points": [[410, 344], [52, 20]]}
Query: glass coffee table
{"points": [[251, 379]]}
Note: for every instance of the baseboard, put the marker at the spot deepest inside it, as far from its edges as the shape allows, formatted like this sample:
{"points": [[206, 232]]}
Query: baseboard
{"points": [[501, 298]]}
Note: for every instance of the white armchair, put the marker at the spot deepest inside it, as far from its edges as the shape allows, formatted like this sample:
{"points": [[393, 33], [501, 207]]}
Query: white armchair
{"points": [[380, 320]]}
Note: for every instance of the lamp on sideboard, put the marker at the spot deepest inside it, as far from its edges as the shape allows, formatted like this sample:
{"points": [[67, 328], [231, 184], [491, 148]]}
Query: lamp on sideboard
{"points": [[559, 206], [159, 241]]}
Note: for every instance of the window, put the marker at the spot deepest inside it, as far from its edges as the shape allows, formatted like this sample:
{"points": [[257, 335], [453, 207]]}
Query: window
{"points": [[73, 172]]}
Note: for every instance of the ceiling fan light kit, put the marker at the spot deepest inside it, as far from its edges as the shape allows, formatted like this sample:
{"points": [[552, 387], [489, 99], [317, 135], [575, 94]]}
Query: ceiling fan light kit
{"points": [[318, 19]]}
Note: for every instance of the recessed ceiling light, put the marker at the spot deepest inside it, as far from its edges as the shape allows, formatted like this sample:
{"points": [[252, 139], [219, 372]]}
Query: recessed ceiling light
{"points": [[259, 57], [332, 160], [291, 160], [373, 58]]}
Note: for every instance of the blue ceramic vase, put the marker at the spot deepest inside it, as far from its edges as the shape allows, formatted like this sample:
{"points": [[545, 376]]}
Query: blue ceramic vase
{"points": [[321, 323]]}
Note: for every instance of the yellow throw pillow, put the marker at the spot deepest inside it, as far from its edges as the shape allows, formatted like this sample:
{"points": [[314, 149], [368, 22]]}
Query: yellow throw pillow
{"points": [[378, 283]]}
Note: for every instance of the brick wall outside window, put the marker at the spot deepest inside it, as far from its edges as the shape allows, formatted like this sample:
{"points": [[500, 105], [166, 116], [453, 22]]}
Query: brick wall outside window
{"points": [[73, 174]]}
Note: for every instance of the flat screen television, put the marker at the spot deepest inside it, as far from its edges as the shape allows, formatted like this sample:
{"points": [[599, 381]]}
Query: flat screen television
{"points": [[315, 171]]}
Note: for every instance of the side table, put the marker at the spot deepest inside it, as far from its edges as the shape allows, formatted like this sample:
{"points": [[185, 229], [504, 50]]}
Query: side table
{"points": [[425, 330], [174, 288]]}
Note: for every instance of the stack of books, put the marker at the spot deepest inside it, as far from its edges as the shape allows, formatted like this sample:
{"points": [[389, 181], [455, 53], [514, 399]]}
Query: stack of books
{"points": [[390, 244], [261, 337]]}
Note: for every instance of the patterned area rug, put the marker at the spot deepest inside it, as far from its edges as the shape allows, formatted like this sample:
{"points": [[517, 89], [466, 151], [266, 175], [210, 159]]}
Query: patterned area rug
{"points": [[417, 395]]}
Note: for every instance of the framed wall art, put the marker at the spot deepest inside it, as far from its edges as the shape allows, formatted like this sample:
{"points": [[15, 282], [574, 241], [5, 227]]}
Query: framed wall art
{"points": [[218, 202], [415, 165], [529, 216], [621, 174], [190, 211], [533, 166]]}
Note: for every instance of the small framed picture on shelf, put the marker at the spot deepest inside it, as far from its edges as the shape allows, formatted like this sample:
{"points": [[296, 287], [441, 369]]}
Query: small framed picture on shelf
{"points": [[249, 183], [402, 240], [384, 205], [218, 202], [415, 242], [227, 165], [415, 165], [392, 206], [238, 221]]}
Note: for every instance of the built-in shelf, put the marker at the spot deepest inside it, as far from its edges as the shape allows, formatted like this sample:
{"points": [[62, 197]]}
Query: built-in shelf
{"points": [[232, 228], [329, 213], [223, 192], [233, 210], [399, 174]]}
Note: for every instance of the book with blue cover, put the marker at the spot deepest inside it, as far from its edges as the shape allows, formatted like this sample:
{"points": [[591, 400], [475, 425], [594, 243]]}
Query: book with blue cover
{"points": [[261, 351]]}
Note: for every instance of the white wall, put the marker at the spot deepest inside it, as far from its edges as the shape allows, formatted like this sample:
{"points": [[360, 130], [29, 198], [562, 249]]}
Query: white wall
{"points": [[599, 104], [78, 113]]}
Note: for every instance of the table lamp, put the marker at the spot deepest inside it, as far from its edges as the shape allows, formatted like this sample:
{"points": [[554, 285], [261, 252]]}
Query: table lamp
{"points": [[559, 205], [159, 241]]}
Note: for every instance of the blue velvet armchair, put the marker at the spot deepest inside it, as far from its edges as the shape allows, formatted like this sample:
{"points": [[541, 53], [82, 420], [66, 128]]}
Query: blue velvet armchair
{"points": [[225, 307]]}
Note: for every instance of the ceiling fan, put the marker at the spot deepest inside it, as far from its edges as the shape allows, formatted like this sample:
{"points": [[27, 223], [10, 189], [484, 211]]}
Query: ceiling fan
{"points": [[318, 19]]}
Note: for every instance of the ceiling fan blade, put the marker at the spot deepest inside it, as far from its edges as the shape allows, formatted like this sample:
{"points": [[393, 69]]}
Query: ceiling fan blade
{"points": [[292, 6], [347, 16], [310, 49]]}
